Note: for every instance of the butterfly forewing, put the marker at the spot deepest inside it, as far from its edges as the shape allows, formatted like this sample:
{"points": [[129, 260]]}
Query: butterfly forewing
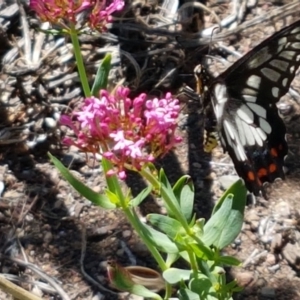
{"points": [[244, 100]]}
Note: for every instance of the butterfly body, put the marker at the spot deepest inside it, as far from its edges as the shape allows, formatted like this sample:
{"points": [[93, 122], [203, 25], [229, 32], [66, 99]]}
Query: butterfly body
{"points": [[243, 100]]}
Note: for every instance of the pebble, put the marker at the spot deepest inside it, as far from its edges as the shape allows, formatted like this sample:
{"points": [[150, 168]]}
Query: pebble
{"points": [[2, 186], [50, 123], [98, 296], [227, 181], [268, 292], [244, 278], [126, 234]]}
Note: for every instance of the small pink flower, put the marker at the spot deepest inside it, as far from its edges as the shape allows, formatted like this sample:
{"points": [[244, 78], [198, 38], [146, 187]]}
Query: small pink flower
{"points": [[65, 12], [101, 14], [127, 132]]}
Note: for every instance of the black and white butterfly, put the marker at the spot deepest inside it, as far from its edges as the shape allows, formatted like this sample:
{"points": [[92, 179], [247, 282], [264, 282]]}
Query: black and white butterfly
{"points": [[243, 100]]}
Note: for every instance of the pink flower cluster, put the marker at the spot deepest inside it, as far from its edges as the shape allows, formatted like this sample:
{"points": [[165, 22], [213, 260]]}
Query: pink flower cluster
{"points": [[127, 132], [64, 12]]}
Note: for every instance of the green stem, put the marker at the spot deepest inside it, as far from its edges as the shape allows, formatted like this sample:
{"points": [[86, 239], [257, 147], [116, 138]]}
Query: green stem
{"points": [[177, 213], [193, 262], [136, 224], [114, 185], [79, 61]]}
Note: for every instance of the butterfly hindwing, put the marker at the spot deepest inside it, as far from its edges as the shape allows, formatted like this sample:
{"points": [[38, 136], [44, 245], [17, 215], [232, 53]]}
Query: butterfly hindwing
{"points": [[244, 100]]}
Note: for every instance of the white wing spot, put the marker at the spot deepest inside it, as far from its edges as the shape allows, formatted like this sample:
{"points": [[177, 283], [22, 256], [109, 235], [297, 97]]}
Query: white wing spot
{"points": [[282, 41], [261, 134], [240, 152], [280, 48], [249, 92], [284, 82], [265, 126], [279, 64], [259, 110], [296, 45], [260, 57], [292, 69], [275, 92], [239, 126], [248, 134], [229, 129], [271, 74], [288, 54], [295, 30], [297, 36], [253, 81], [298, 58], [249, 98], [256, 136], [245, 114]]}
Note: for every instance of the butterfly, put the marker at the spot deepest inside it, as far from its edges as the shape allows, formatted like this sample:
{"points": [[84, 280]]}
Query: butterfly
{"points": [[243, 102]]}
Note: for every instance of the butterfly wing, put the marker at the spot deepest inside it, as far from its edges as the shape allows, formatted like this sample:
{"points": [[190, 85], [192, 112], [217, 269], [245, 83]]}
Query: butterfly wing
{"points": [[244, 100]]}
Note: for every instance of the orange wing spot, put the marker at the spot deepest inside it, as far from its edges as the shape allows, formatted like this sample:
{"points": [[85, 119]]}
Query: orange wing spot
{"points": [[272, 168], [250, 176], [274, 152], [262, 172]]}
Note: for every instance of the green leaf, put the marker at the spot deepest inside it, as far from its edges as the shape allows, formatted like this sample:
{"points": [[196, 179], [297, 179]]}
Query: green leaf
{"points": [[202, 251], [204, 288], [140, 290], [81, 188], [174, 275], [171, 258], [111, 181], [141, 196], [229, 261], [227, 219], [185, 193], [169, 226], [167, 191], [187, 294], [239, 191], [160, 240], [102, 76], [215, 230]]}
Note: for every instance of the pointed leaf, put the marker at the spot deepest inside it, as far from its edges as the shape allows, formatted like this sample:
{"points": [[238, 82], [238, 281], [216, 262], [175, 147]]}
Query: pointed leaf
{"points": [[229, 261], [102, 76], [239, 191], [185, 193], [187, 294], [174, 275], [227, 219], [81, 188], [167, 191], [167, 225], [160, 240], [141, 196]]}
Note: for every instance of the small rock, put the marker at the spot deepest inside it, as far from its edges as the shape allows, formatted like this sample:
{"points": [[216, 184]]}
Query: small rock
{"points": [[50, 123], [37, 291], [268, 292], [282, 209], [291, 254], [227, 181], [276, 242], [270, 259], [98, 296], [48, 237], [244, 278], [126, 234]]}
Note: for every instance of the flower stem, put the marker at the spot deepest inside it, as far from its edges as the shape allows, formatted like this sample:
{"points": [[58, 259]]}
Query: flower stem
{"points": [[80, 64]]}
